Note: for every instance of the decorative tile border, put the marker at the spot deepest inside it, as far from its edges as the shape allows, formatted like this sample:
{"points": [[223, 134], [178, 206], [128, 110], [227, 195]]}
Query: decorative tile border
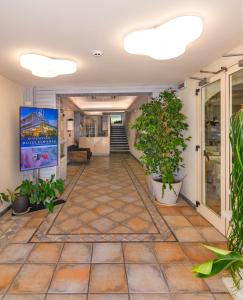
{"points": [[164, 233]]}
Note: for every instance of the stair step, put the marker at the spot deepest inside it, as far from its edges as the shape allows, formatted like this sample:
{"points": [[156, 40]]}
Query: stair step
{"points": [[118, 139], [119, 147], [119, 151]]}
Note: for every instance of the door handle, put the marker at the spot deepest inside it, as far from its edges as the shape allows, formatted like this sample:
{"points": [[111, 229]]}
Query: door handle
{"points": [[206, 155]]}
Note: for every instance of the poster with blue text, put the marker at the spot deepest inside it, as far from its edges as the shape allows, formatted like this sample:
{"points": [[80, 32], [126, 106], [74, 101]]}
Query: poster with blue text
{"points": [[38, 138]]}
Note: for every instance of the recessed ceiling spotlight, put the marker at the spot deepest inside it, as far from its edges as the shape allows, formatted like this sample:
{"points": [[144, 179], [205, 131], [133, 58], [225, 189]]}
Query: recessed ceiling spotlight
{"points": [[43, 66], [97, 53], [166, 41]]}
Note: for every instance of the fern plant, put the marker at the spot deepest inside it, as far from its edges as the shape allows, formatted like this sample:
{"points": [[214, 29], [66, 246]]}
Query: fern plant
{"points": [[231, 260]]}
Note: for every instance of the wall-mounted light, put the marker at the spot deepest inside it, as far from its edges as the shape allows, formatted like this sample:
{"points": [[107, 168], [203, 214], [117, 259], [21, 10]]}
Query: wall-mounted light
{"points": [[70, 126]]}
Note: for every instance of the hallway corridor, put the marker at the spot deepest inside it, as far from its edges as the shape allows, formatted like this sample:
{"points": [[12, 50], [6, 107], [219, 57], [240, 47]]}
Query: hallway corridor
{"points": [[109, 241]]}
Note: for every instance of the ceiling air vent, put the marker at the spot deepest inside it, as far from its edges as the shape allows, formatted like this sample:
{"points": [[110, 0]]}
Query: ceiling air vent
{"points": [[97, 53]]}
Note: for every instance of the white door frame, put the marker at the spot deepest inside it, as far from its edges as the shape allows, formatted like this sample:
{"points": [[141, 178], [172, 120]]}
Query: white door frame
{"points": [[217, 221]]}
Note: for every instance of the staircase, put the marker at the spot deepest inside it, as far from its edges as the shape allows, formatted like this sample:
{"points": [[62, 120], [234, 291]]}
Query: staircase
{"points": [[118, 141]]}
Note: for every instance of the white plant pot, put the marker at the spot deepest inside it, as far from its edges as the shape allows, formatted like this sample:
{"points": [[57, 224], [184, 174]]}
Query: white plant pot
{"points": [[228, 282], [150, 179], [170, 196]]}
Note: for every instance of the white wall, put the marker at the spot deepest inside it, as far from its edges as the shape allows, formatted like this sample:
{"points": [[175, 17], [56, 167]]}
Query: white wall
{"points": [[11, 97], [189, 186], [131, 133]]}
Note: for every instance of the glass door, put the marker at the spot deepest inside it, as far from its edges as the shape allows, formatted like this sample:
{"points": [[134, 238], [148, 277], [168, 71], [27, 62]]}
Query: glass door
{"points": [[234, 90], [212, 168]]}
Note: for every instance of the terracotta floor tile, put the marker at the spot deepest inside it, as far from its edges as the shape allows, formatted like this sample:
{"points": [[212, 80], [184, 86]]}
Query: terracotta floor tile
{"points": [[150, 297], [211, 234], [15, 253], [24, 297], [121, 229], [108, 278], [70, 278], [102, 224], [137, 224], [169, 252], [117, 203], [34, 222], [118, 216], [193, 297], [145, 278], [196, 252], [181, 279], [76, 253], [23, 235], [103, 209], [197, 221], [188, 211], [188, 234], [222, 296], [169, 211], [7, 274], [107, 297], [107, 253], [45, 253], [65, 297], [138, 253], [32, 279], [177, 221], [216, 284]]}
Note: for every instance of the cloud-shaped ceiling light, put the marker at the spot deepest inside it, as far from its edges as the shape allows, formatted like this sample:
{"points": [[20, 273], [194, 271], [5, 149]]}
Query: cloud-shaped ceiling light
{"points": [[166, 41], [43, 66]]}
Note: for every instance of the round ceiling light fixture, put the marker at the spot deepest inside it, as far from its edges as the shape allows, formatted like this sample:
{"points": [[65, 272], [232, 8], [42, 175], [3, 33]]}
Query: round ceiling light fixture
{"points": [[166, 41], [43, 66], [97, 53]]}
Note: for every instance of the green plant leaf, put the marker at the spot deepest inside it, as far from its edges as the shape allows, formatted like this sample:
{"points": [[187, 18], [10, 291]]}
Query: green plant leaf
{"points": [[217, 251], [204, 268]]}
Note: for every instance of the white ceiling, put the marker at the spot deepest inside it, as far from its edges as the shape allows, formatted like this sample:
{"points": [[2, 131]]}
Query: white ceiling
{"points": [[73, 28]]}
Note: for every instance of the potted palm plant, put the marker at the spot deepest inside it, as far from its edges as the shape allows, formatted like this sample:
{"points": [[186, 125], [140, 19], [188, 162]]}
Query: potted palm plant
{"points": [[161, 128], [232, 259]]}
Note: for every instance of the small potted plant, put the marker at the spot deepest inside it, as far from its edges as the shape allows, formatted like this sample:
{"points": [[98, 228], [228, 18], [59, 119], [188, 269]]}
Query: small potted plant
{"points": [[24, 190], [19, 198], [45, 192], [232, 259], [161, 128]]}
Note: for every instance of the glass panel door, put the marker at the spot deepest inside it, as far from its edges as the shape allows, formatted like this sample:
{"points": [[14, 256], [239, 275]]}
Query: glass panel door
{"points": [[212, 146], [235, 85], [213, 152]]}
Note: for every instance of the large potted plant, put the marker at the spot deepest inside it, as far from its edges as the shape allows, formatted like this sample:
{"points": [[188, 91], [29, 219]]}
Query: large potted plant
{"points": [[232, 259], [161, 128], [45, 192]]}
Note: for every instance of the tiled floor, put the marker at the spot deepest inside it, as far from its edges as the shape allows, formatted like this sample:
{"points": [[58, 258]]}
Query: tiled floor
{"points": [[121, 270]]}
